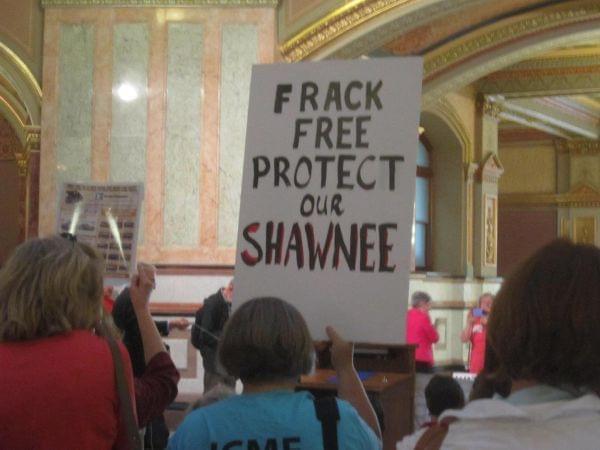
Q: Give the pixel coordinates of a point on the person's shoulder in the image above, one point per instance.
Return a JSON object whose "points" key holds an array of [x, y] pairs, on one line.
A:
{"points": [[192, 432], [354, 431]]}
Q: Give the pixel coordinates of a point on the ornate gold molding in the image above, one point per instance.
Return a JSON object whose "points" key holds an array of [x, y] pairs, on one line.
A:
{"points": [[531, 24], [578, 147], [491, 227], [159, 3], [336, 23], [22, 68], [584, 230], [581, 196], [491, 109]]}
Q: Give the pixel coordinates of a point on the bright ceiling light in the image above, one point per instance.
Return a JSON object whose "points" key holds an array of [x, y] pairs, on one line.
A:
{"points": [[127, 92]]}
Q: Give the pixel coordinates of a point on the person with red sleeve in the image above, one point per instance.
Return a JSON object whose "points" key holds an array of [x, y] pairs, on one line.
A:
{"points": [[57, 375], [420, 331], [476, 332]]}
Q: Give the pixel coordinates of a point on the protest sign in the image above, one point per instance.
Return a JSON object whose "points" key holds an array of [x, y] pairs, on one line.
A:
{"points": [[105, 216], [328, 192]]}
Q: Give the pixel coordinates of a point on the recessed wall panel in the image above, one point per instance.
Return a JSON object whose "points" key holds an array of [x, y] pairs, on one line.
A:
{"points": [[75, 89], [182, 146], [131, 54], [238, 53]]}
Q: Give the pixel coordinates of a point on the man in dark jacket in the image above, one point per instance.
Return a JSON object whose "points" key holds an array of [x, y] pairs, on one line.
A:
{"points": [[206, 332]]}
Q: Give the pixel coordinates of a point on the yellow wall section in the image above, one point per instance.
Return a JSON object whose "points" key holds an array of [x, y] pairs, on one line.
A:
{"points": [[528, 169]]}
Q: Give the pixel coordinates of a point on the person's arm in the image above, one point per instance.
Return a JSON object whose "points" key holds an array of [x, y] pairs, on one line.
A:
{"points": [[350, 388], [141, 287], [122, 439], [431, 332], [156, 388]]}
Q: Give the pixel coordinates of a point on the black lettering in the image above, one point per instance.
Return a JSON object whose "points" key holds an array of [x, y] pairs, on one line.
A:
{"points": [[274, 246], [324, 160], [232, 444], [296, 246], [372, 95], [308, 93], [304, 210], [359, 178], [323, 133], [321, 205], [280, 90], [392, 168], [365, 246], [335, 204], [333, 95], [314, 249], [341, 132], [352, 106], [384, 247], [251, 260], [298, 132], [342, 172], [282, 165], [303, 160], [258, 172], [361, 130], [339, 244]]}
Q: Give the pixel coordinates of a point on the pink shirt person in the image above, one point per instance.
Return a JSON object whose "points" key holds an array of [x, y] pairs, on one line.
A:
{"points": [[420, 330]]}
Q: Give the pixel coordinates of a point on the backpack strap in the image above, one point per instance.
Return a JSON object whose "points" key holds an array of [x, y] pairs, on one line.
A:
{"points": [[329, 415], [127, 417], [434, 436]]}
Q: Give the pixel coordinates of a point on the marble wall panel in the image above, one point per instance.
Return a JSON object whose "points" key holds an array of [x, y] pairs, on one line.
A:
{"points": [[75, 81], [239, 52], [183, 126], [131, 52]]}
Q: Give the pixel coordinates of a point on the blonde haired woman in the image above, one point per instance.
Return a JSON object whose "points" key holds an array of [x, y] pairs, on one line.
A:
{"points": [[57, 382]]}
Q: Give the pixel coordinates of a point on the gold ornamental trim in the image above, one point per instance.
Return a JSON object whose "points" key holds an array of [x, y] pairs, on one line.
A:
{"points": [[582, 196], [578, 147], [22, 68], [159, 3], [334, 24], [526, 26]]}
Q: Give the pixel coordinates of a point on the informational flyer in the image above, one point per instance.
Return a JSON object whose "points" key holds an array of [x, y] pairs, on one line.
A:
{"points": [[328, 192], [105, 216]]}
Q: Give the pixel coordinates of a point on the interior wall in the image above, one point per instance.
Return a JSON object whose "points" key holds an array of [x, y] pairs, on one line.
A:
{"points": [[182, 133], [447, 220], [521, 232], [528, 169], [9, 191]]}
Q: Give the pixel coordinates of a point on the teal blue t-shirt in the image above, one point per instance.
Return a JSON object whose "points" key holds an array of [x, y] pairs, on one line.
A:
{"points": [[279, 420]]}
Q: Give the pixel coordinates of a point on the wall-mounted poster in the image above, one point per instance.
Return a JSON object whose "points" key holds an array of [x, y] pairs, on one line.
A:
{"points": [[328, 192], [105, 216]]}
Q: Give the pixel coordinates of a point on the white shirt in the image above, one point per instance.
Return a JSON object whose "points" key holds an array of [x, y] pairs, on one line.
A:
{"points": [[519, 423]]}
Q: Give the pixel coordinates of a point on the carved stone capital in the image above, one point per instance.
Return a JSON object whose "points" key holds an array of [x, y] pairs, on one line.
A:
{"points": [[491, 109], [490, 170]]}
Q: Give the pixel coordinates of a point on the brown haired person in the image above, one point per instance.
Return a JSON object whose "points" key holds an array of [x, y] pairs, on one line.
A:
{"points": [[57, 376], [266, 344], [543, 350]]}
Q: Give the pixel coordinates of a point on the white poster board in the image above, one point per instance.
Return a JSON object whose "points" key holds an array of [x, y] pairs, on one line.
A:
{"points": [[105, 216], [328, 193]]}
